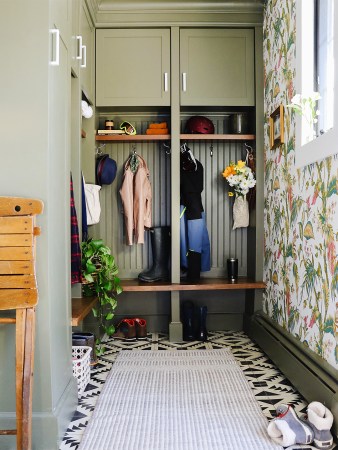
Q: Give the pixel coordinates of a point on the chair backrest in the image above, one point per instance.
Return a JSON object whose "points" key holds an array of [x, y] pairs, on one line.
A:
{"points": [[17, 252]]}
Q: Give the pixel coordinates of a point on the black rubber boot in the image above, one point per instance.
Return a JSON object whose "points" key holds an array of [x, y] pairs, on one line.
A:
{"points": [[160, 244], [202, 334], [194, 266], [188, 321], [81, 338]]}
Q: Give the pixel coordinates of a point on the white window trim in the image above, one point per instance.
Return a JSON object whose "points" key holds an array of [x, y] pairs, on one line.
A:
{"points": [[326, 144]]}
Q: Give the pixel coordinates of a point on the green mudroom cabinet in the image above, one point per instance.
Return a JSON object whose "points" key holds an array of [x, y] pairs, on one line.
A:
{"points": [[210, 72], [133, 67], [217, 67]]}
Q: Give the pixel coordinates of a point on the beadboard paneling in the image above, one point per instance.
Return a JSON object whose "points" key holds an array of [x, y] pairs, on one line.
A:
{"points": [[225, 242]]}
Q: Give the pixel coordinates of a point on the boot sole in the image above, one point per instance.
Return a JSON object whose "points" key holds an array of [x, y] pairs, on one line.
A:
{"points": [[319, 444], [153, 280]]}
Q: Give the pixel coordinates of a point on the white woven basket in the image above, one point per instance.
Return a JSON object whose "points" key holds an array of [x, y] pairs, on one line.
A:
{"points": [[81, 366]]}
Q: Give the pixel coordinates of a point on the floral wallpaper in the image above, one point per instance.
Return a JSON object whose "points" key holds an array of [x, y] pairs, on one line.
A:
{"points": [[301, 208]]}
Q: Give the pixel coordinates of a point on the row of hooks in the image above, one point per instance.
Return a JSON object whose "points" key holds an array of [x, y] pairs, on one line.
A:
{"points": [[167, 149]]}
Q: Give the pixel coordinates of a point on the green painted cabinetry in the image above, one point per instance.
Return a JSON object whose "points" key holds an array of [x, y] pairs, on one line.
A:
{"points": [[217, 67], [76, 38], [87, 64], [133, 67]]}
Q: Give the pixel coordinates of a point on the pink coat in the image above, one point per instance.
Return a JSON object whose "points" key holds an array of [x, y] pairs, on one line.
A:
{"points": [[136, 201]]}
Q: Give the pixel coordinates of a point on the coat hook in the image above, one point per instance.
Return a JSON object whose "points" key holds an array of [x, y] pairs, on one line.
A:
{"points": [[249, 153], [248, 147], [167, 148], [98, 151]]}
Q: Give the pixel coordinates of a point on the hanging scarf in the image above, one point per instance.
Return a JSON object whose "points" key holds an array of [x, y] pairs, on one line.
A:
{"points": [[84, 211], [75, 240]]}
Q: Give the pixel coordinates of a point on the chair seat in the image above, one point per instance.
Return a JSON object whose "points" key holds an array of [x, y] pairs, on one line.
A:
{"points": [[17, 298]]}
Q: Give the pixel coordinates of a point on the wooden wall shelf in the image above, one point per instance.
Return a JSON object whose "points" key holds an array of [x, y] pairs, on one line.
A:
{"points": [[217, 137], [204, 284], [185, 137], [81, 307], [135, 138]]}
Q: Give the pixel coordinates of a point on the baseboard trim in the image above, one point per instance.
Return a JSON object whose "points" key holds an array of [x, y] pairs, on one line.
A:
{"points": [[48, 428], [66, 407], [313, 377]]}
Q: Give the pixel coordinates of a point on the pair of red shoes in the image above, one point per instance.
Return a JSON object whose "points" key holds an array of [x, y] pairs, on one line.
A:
{"points": [[131, 329]]}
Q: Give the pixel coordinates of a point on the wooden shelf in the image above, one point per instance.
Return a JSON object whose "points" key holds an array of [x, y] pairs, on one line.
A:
{"points": [[217, 137], [81, 307], [204, 284], [186, 137], [135, 138]]}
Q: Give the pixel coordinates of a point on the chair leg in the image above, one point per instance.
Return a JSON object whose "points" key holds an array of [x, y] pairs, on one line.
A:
{"points": [[28, 380], [19, 362]]}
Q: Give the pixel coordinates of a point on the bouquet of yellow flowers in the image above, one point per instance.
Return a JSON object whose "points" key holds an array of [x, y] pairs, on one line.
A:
{"points": [[240, 178]]}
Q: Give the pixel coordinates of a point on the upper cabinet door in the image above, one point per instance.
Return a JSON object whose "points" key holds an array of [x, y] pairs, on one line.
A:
{"points": [[87, 66], [133, 67], [217, 67], [76, 40], [61, 18]]}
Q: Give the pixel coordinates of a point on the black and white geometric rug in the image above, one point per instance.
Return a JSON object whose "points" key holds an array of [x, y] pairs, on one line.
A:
{"points": [[268, 384]]}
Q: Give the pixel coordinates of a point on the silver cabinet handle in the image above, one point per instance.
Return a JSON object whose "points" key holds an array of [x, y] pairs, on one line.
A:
{"points": [[184, 82], [84, 54], [165, 82], [54, 32], [79, 47]]}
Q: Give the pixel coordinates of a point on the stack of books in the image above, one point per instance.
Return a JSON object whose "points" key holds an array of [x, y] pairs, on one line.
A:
{"points": [[109, 132]]}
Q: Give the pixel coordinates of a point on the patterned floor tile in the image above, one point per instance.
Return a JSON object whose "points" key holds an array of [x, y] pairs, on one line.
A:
{"points": [[268, 384]]}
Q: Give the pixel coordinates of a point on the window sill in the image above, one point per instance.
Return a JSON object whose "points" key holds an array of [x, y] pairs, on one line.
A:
{"points": [[320, 148]]}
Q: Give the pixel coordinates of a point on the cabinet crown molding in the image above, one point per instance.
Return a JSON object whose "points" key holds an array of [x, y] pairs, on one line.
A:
{"points": [[177, 5]]}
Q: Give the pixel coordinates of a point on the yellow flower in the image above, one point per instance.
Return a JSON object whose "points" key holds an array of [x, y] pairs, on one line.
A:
{"points": [[228, 171], [240, 164], [230, 194]]}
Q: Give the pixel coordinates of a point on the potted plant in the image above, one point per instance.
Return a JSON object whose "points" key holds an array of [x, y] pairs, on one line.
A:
{"points": [[99, 272]]}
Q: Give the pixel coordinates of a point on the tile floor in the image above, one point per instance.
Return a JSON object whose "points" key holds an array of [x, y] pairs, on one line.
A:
{"points": [[267, 382]]}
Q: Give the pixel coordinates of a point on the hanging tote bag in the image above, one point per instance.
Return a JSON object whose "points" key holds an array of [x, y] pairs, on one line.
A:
{"points": [[240, 212], [93, 206]]}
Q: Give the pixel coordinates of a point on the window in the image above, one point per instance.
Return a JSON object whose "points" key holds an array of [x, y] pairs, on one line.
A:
{"points": [[317, 70], [323, 62]]}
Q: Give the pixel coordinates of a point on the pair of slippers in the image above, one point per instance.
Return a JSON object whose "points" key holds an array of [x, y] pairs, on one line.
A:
{"points": [[288, 430]]}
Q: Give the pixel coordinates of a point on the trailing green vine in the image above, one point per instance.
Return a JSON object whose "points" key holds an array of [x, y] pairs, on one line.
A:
{"points": [[99, 272]]}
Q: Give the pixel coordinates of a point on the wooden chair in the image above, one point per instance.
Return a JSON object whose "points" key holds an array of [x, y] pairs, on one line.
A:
{"points": [[18, 291]]}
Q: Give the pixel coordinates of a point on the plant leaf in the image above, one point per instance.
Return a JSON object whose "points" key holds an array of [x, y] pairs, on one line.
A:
{"points": [[109, 316], [110, 330]]}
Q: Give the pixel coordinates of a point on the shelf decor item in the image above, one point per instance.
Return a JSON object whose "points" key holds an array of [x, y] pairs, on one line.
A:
{"points": [[307, 108], [276, 122], [232, 267], [99, 272], [241, 179]]}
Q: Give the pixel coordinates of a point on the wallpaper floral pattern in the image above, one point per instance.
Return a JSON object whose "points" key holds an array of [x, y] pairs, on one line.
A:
{"points": [[301, 208]]}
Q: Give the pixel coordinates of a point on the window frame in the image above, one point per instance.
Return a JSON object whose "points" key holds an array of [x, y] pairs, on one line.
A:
{"points": [[324, 145]]}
